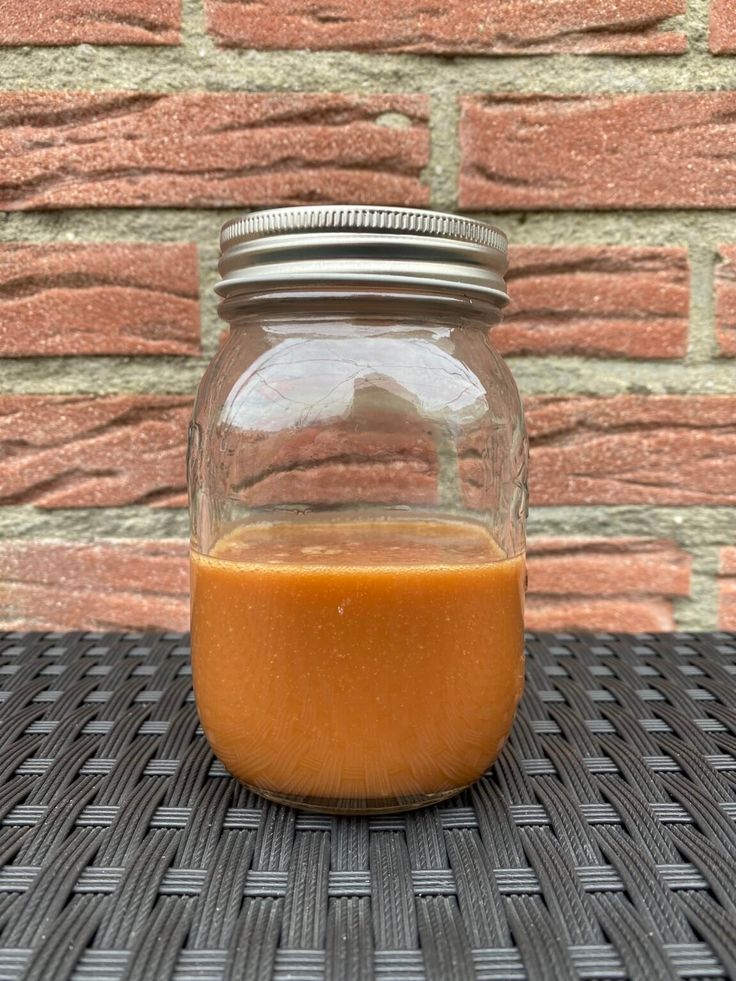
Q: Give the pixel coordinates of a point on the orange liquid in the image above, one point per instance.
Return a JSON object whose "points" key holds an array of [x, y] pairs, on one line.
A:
{"points": [[357, 662]]}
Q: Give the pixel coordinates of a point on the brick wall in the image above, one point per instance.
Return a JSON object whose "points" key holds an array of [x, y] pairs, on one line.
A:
{"points": [[600, 134]]}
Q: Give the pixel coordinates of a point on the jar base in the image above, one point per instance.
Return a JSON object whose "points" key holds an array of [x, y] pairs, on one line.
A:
{"points": [[350, 806]]}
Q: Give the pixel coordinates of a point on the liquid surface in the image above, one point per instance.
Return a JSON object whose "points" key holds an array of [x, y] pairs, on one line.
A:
{"points": [[357, 661]]}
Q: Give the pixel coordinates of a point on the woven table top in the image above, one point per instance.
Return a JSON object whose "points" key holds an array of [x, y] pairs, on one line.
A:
{"points": [[603, 844]]}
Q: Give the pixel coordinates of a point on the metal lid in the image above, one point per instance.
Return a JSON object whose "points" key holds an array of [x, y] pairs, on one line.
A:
{"points": [[345, 245]]}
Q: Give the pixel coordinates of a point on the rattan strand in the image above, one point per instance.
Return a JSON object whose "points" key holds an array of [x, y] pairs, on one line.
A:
{"points": [[603, 844]]}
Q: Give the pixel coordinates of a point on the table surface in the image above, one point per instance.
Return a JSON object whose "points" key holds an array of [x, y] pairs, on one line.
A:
{"points": [[602, 845]]}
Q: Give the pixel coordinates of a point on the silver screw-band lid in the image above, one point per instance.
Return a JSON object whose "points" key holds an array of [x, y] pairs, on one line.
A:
{"points": [[340, 245]]}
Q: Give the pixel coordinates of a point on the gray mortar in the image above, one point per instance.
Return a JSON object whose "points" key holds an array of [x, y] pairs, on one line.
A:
{"points": [[693, 528], [534, 376], [701, 606], [92, 524], [199, 65]]}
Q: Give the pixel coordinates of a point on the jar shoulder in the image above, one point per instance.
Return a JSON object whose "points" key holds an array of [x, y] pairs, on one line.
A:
{"points": [[308, 376]]}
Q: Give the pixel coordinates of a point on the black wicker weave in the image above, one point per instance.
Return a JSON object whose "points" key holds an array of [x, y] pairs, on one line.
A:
{"points": [[603, 844]]}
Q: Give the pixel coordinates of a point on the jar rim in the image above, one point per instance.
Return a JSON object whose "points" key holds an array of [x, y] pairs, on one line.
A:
{"points": [[363, 244], [374, 219]]}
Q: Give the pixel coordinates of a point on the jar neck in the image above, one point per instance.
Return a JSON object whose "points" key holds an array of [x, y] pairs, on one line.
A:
{"points": [[394, 308]]}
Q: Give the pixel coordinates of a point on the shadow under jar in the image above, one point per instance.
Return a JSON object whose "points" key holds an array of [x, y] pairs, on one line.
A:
{"points": [[357, 480]]}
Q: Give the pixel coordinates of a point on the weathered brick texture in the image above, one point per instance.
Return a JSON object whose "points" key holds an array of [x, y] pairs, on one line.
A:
{"points": [[725, 286], [209, 149], [596, 301], [727, 589], [641, 302], [92, 452], [661, 150], [54, 585], [600, 584], [83, 452], [90, 22], [342, 463], [98, 299], [722, 39], [633, 449], [451, 26]]}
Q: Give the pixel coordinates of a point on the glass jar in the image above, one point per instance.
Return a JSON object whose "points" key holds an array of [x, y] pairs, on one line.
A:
{"points": [[357, 480]]}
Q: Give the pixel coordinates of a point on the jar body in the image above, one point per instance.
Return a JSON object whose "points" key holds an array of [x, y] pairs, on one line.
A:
{"points": [[357, 474]]}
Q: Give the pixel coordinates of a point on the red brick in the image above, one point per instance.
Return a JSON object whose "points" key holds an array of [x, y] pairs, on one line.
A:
{"points": [[604, 584], [92, 452], [727, 589], [609, 613], [312, 446], [666, 450], [594, 584], [343, 463], [728, 561], [725, 285], [396, 482], [78, 149], [722, 38], [110, 585], [596, 301], [84, 452], [451, 26], [607, 567], [663, 150], [91, 22], [98, 299]]}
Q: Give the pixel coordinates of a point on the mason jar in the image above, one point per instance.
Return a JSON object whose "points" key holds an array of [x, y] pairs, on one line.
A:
{"points": [[357, 481]]}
